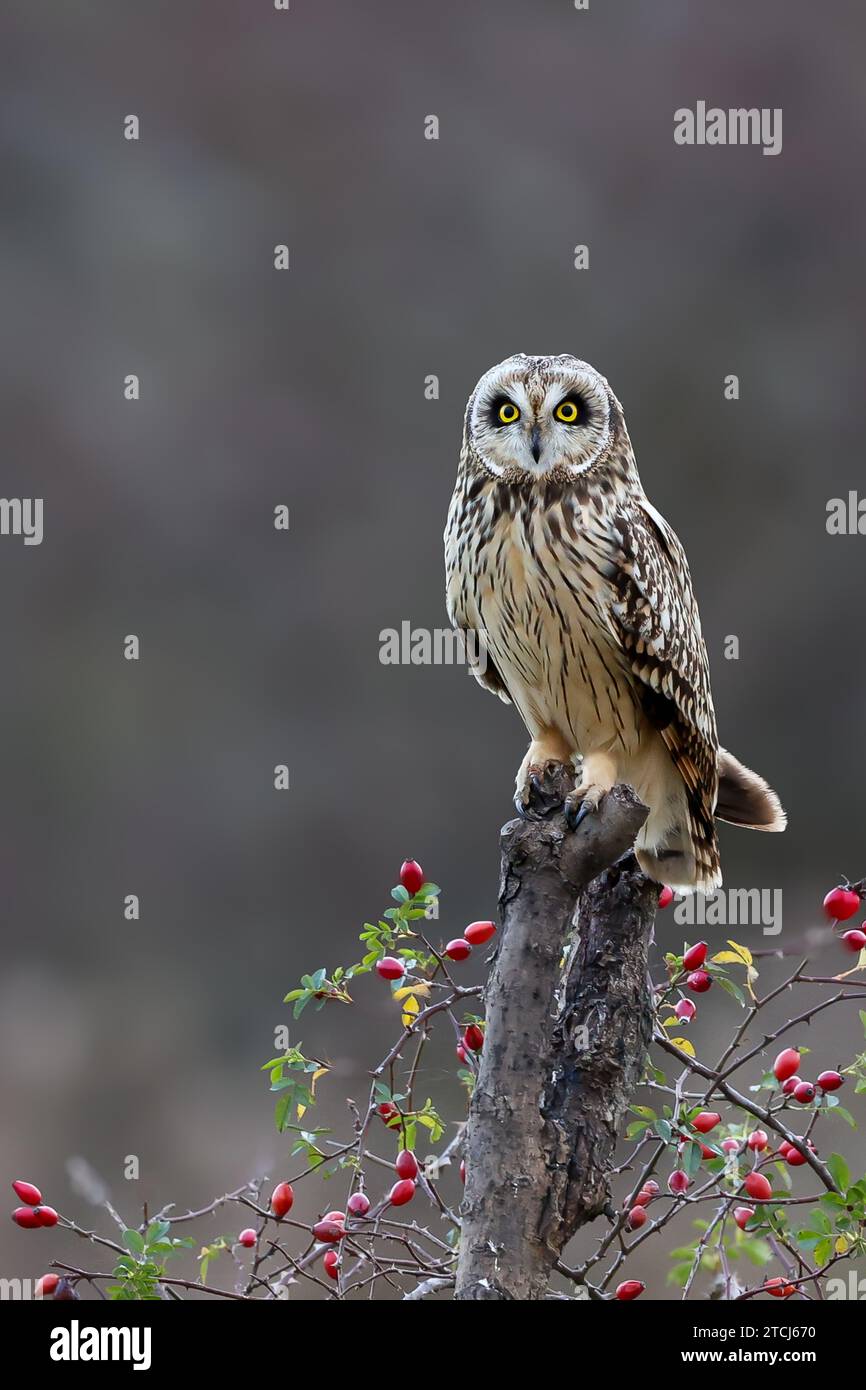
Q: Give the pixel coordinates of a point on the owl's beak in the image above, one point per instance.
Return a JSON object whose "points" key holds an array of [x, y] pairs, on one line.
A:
{"points": [[535, 443]]}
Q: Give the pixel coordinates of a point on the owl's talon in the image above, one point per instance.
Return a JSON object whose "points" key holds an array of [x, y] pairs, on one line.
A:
{"points": [[575, 812], [538, 797], [579, 804]]}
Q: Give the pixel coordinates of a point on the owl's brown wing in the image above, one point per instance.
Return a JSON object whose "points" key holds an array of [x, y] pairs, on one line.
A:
{"points": [[654, 617]]}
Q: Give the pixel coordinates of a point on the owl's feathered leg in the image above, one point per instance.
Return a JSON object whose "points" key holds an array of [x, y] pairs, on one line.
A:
{"points": [[598, 774]]}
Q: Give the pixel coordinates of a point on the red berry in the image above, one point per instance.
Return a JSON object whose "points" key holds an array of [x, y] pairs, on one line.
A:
{"points": [[388, 1113], [793, 1157], [247, 1238], [406, 1165], [790, 1085], [695, 956], [804, 1093], [411, 876], [337, 1216], [47, 1216], [390, 968], [463, 1171], [358, 1204], [786, 1064], [699, 982], [473, 1038], [758, 1140], [730, 1146], [779, 1288], [841, 903], [27, 1192], [402, 1192], [46, 1285], [649, 1190], [854, 940], [757, 1186], [685, 1010], [706, 1120], [282, 1198], [458, 949], [636, 1217], [479, 932], [629, 1289], [461, 1053], [679, 1181], [743, 1215], [328, 1231], [331, 1264], [830, 1081], [26, 1217], [666, 896]]}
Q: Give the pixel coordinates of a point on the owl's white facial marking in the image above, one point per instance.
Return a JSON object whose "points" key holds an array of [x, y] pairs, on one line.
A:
{"points": [[538, 413]]}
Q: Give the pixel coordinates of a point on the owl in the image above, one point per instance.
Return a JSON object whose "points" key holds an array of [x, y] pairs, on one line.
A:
{"points": [[578, 596]]}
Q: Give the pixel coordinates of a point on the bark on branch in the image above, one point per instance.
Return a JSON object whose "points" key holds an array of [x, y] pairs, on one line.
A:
{"points": [[569, 1019]]}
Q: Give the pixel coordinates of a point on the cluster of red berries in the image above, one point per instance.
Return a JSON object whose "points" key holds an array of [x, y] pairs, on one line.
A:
{"points": [[637, 1217], [785, 1069], [840, 905], [34, 1213], [30, 1217], [412, 879], [331, 1228]]}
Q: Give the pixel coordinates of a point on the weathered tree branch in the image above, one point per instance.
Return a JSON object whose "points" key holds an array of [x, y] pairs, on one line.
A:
{"points": [[568, 1027]]}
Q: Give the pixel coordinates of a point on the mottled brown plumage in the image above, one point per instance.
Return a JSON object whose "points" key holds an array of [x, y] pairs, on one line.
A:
{"points": [[581, 596]]}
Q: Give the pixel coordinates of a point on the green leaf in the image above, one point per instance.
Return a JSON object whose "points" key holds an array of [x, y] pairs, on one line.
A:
{"points": [[844, 1115], [636, 1127], [281, 1111], [644, 1111], [692, 1159], [663, 1130], [134, 1241], [156, 1231], [840, 1172], [733, 989]]}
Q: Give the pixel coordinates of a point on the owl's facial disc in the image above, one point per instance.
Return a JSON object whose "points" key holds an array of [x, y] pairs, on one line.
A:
{"points": [[530, 415]]}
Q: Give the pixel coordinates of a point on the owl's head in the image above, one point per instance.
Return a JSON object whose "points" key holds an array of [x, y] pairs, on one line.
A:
{"points": [[532, 416]]}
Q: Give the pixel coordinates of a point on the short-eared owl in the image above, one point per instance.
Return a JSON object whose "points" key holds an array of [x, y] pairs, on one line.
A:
{"points": [[579, 594]]}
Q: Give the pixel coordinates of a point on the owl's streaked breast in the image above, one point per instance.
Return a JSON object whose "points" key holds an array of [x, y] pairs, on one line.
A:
{"points": [[544, 628]]}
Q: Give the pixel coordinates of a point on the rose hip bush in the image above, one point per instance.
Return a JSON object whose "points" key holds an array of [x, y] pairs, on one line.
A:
{"points": [[716, 1142]]}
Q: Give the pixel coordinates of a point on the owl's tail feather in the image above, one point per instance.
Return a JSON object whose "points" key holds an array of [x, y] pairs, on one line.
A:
{"points": [[745, 798]]}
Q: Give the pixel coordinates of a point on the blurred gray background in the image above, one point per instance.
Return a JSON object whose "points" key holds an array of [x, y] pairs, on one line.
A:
{"points": [[408, 257]]}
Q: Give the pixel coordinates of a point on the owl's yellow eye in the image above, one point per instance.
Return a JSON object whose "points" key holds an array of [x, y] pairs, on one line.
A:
{"points": [[508, 413], [567, 412]]}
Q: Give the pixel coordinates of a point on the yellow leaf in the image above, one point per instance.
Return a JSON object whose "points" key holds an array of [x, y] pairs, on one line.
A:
{"points": [[728, 958], [405, 990], [684, 1045], [410, 1009], [301, 1111], [743, 951], [841, 1245]]}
